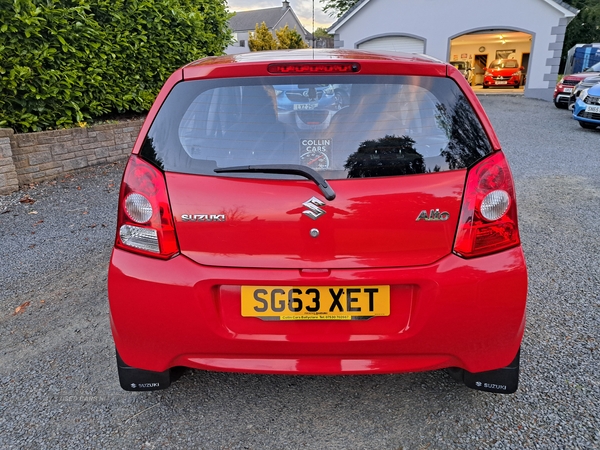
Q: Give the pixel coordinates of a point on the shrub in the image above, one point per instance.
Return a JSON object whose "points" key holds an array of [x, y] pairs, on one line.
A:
{"points": [[65, 61]]}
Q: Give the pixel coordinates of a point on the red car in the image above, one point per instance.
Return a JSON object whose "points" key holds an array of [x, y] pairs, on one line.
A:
{"points": [[382, 238], [564, 87], [504, 72]]}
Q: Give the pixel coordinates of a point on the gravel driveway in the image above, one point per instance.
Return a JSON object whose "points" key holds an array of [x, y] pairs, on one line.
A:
{"points": [[58, 381]]}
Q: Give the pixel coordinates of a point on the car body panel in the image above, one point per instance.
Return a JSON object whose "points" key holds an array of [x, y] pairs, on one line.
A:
{"points": [[274, 216], [193, 312]]}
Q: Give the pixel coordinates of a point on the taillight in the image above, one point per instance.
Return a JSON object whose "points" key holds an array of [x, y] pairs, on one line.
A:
{"points": [[488, 218], [145, 223]]}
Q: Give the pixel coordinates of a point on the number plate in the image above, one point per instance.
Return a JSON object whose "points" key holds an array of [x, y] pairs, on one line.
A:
{"points": [[315, 303], [305, 106], [501, 82], [568, 90], [592, 109]]}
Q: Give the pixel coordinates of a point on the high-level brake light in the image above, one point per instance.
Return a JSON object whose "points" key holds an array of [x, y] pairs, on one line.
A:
{"points": [[316, 68]]}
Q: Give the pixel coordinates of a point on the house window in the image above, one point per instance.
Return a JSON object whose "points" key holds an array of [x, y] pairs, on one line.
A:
{"points": [[242, 42]]}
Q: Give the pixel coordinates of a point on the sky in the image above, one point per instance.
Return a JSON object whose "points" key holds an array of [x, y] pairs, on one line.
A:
{"points": [[302, 8]]}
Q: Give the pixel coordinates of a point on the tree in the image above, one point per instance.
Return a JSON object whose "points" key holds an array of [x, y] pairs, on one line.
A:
{"points": [[261, 39], [287, 38], [321, 33], [584, 28], [337, 7]]}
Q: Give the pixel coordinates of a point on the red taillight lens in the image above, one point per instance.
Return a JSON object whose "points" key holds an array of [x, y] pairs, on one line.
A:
{"points": [[488, 218], [145, 223]]}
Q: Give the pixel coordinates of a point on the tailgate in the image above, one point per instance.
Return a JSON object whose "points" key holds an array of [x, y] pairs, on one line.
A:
{"points": [[266, 223]]}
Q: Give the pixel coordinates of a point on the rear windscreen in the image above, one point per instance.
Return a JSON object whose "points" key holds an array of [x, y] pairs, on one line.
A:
{"points": [[340, 126]]}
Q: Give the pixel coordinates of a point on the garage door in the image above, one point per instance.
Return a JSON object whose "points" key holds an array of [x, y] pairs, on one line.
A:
{"points": [[394, 44]]}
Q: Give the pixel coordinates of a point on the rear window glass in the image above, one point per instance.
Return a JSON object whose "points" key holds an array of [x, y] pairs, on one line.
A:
{"points": [[343, 127]]}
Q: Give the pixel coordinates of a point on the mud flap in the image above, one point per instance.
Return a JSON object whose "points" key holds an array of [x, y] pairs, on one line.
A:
{"points": [[499, 381], [133, 379]]}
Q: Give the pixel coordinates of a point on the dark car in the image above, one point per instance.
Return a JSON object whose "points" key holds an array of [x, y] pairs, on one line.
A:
{"points": [[383, 241], [503, 73]]}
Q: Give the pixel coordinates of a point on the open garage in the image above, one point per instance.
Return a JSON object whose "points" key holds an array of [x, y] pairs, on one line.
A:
{"points": [[477, 50]]}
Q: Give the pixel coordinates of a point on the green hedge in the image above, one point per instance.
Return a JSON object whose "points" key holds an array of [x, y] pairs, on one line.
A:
{"points": [[67, 61]]}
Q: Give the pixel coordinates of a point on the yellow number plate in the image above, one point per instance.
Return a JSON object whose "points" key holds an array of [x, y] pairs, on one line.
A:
{"points": [[315, 303]]}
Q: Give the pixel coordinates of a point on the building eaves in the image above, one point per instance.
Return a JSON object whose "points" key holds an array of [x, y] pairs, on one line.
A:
{"points": [[566, 6], [358, 5]]}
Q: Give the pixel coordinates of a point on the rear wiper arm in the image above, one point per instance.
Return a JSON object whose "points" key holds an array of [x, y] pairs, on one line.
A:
{"points": [[286, 169]]}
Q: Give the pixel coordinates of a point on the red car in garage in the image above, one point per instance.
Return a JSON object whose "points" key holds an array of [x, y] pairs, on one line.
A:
{"points": [[503, 73], [380, 238]]}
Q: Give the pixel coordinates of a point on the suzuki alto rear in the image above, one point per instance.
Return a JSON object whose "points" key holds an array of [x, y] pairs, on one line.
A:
{"points": [[379, 236]]}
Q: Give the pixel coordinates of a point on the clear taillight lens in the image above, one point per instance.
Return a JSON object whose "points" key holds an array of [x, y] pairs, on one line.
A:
{"points": [[488, 218], [138, 208], [140, 238], [145, 223], [495, 205]]}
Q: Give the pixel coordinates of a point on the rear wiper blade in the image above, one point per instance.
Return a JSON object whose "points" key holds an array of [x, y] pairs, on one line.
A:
{"points": [[286, 169]]}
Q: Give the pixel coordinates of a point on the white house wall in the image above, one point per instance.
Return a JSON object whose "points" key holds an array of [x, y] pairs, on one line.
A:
{"points": [[438, 21]]}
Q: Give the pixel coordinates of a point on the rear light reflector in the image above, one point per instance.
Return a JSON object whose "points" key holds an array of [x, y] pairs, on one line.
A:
{"points": [[138, 208], [314, 68], [495, 205], [488, 218], [145, 223], [140, 238]]}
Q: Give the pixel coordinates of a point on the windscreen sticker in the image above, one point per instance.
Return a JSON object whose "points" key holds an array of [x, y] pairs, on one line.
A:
{"points": [[316, 153]]}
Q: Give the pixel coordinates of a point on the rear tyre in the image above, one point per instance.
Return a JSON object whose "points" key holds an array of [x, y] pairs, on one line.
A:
{"points": [[586, 125], [485, 87], [132, 379]]}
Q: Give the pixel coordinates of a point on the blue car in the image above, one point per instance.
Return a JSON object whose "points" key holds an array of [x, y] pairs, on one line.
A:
{"points": [[587, 107]]}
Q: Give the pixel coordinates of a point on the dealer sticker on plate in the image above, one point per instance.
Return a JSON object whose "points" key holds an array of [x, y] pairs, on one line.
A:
{"points": [[315, 303]]}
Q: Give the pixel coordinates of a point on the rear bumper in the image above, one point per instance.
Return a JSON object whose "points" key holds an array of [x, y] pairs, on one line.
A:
{"points": [[455, 313], [491, 81]]}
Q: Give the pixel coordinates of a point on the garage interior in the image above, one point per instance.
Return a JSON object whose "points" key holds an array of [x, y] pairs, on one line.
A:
{"points": [[481, 48]]}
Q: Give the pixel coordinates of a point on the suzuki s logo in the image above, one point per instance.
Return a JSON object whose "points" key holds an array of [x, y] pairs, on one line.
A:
{"points": [[434, 215], [314, 210]]}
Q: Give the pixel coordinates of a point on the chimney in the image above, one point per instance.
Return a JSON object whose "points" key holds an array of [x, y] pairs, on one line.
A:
{"points": [[286, 5]]}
